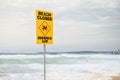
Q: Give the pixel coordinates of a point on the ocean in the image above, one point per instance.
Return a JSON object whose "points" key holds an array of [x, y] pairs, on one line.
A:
{"points": [[60, 66]]}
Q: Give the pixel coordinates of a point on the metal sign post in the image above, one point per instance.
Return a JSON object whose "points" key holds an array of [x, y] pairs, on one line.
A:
{"points": [[44, 31], [44, 62]]}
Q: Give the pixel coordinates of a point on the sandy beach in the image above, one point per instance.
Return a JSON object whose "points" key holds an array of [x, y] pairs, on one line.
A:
{"points": [[2, 75], [116, 78]]}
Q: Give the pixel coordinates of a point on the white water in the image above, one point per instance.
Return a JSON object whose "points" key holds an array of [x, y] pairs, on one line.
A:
{"points": [[71, 67]]}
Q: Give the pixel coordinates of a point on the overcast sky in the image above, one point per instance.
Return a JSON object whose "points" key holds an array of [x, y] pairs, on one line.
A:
{"points": [[78, 25]]}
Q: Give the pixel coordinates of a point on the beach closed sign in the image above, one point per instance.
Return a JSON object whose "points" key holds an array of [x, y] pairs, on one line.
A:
{"points": [[44, 27]]}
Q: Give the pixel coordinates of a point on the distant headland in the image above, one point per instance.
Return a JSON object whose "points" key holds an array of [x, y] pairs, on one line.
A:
{"points": [[67, 52]]}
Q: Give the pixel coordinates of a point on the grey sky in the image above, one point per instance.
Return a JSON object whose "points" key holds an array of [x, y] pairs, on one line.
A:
{"points": [[78, 25]]}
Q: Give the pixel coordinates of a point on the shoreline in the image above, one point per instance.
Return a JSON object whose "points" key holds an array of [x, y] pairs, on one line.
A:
{"points": [[86, 74]]}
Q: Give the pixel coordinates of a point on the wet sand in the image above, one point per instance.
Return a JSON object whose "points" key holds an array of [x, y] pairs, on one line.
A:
{"points": [[116, 78], [2, 75], [57, 76]]}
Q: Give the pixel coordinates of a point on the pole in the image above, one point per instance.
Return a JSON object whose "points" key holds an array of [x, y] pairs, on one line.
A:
{"points": [[44, 62]]}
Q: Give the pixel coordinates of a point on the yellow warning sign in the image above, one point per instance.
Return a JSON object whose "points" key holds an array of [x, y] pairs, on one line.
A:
{"points": [[44, 27]]}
